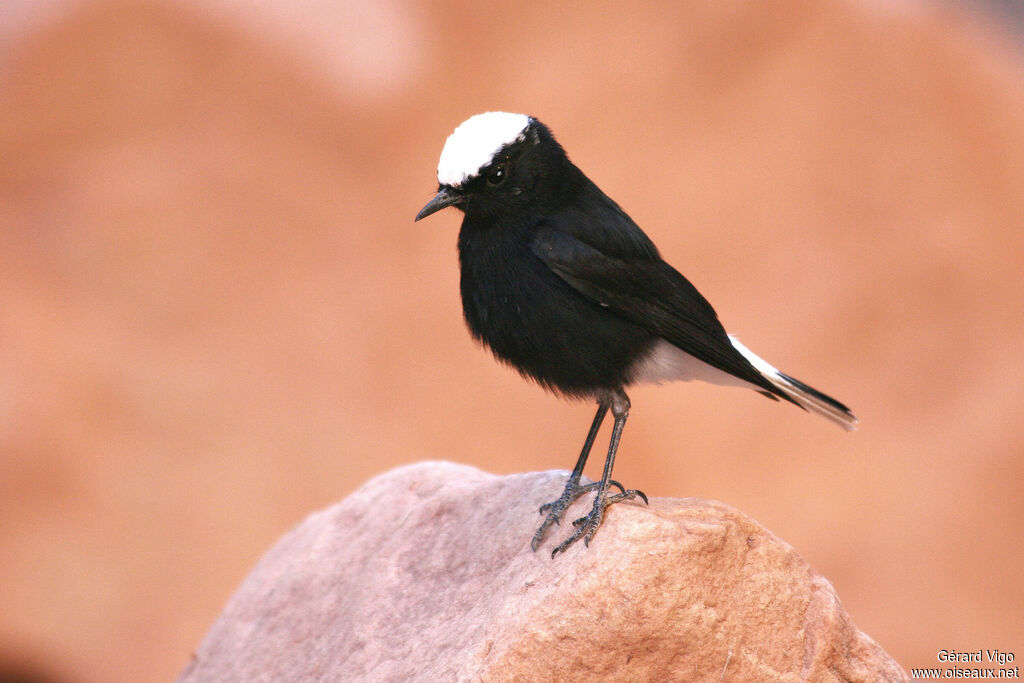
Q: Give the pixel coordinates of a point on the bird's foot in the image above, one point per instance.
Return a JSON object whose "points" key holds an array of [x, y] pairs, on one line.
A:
{"points": [[587, 526], [555, 508]]}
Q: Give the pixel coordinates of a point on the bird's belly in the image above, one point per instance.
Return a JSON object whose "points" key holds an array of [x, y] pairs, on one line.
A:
{"points": [[533, 320], [665, 362]]}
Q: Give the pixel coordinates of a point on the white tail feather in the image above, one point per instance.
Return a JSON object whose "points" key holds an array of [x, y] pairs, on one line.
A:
{"points": [[809, 398]]}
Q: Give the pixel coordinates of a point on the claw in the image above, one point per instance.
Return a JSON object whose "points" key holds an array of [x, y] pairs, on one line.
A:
{"points": [[555, 508], [586, 526], [629, 495], [573, 490], [571, 493]]}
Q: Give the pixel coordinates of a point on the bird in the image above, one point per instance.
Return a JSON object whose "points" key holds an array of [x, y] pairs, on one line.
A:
{"points": [[563, 286]]}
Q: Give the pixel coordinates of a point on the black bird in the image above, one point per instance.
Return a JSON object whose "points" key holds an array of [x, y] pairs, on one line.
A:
{"points": [[562, 285]]}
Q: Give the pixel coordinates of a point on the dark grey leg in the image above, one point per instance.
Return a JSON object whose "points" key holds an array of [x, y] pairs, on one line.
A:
{"points": [[587, 526], [573, 490]]}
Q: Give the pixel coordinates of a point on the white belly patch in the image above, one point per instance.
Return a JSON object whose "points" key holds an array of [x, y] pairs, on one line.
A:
{"points": [[668, 363]]}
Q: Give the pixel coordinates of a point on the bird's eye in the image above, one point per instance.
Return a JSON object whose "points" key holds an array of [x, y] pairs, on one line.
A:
{"points": [[497, 175]]}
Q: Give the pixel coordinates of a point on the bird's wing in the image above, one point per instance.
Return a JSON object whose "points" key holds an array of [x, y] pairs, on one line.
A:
{"points": [[650, 293]]}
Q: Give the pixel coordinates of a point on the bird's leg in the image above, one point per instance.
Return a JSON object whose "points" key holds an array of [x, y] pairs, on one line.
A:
{"points": [[573, 490], [587, 526]]}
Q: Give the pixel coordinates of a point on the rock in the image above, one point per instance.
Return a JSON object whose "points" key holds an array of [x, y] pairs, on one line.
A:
{"points": [[426, 573]]}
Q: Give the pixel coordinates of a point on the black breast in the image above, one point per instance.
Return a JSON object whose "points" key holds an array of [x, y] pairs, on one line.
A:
{"points": [[534, 321]]}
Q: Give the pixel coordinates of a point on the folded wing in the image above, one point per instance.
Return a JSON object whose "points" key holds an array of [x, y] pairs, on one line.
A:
{"points": [[650, 293]]}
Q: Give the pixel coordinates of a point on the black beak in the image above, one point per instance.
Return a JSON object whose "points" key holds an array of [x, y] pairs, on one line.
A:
{"points": [[445, 197]]}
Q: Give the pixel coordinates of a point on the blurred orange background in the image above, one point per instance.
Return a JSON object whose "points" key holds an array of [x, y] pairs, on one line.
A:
{"points": [[217, 316]]}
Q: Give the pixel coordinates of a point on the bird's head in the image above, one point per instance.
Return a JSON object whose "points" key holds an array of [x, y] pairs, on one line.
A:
{"points": [[493, 162]]}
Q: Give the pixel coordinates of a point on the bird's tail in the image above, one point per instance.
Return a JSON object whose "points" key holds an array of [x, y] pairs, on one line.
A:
{"points": [[804, 396]]}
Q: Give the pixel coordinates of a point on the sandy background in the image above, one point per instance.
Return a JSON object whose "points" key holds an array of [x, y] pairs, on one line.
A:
{"points": [[216, 313]]}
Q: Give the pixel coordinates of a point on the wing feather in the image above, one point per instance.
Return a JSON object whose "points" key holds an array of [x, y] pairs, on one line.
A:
{"points": [[650, 293]]}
